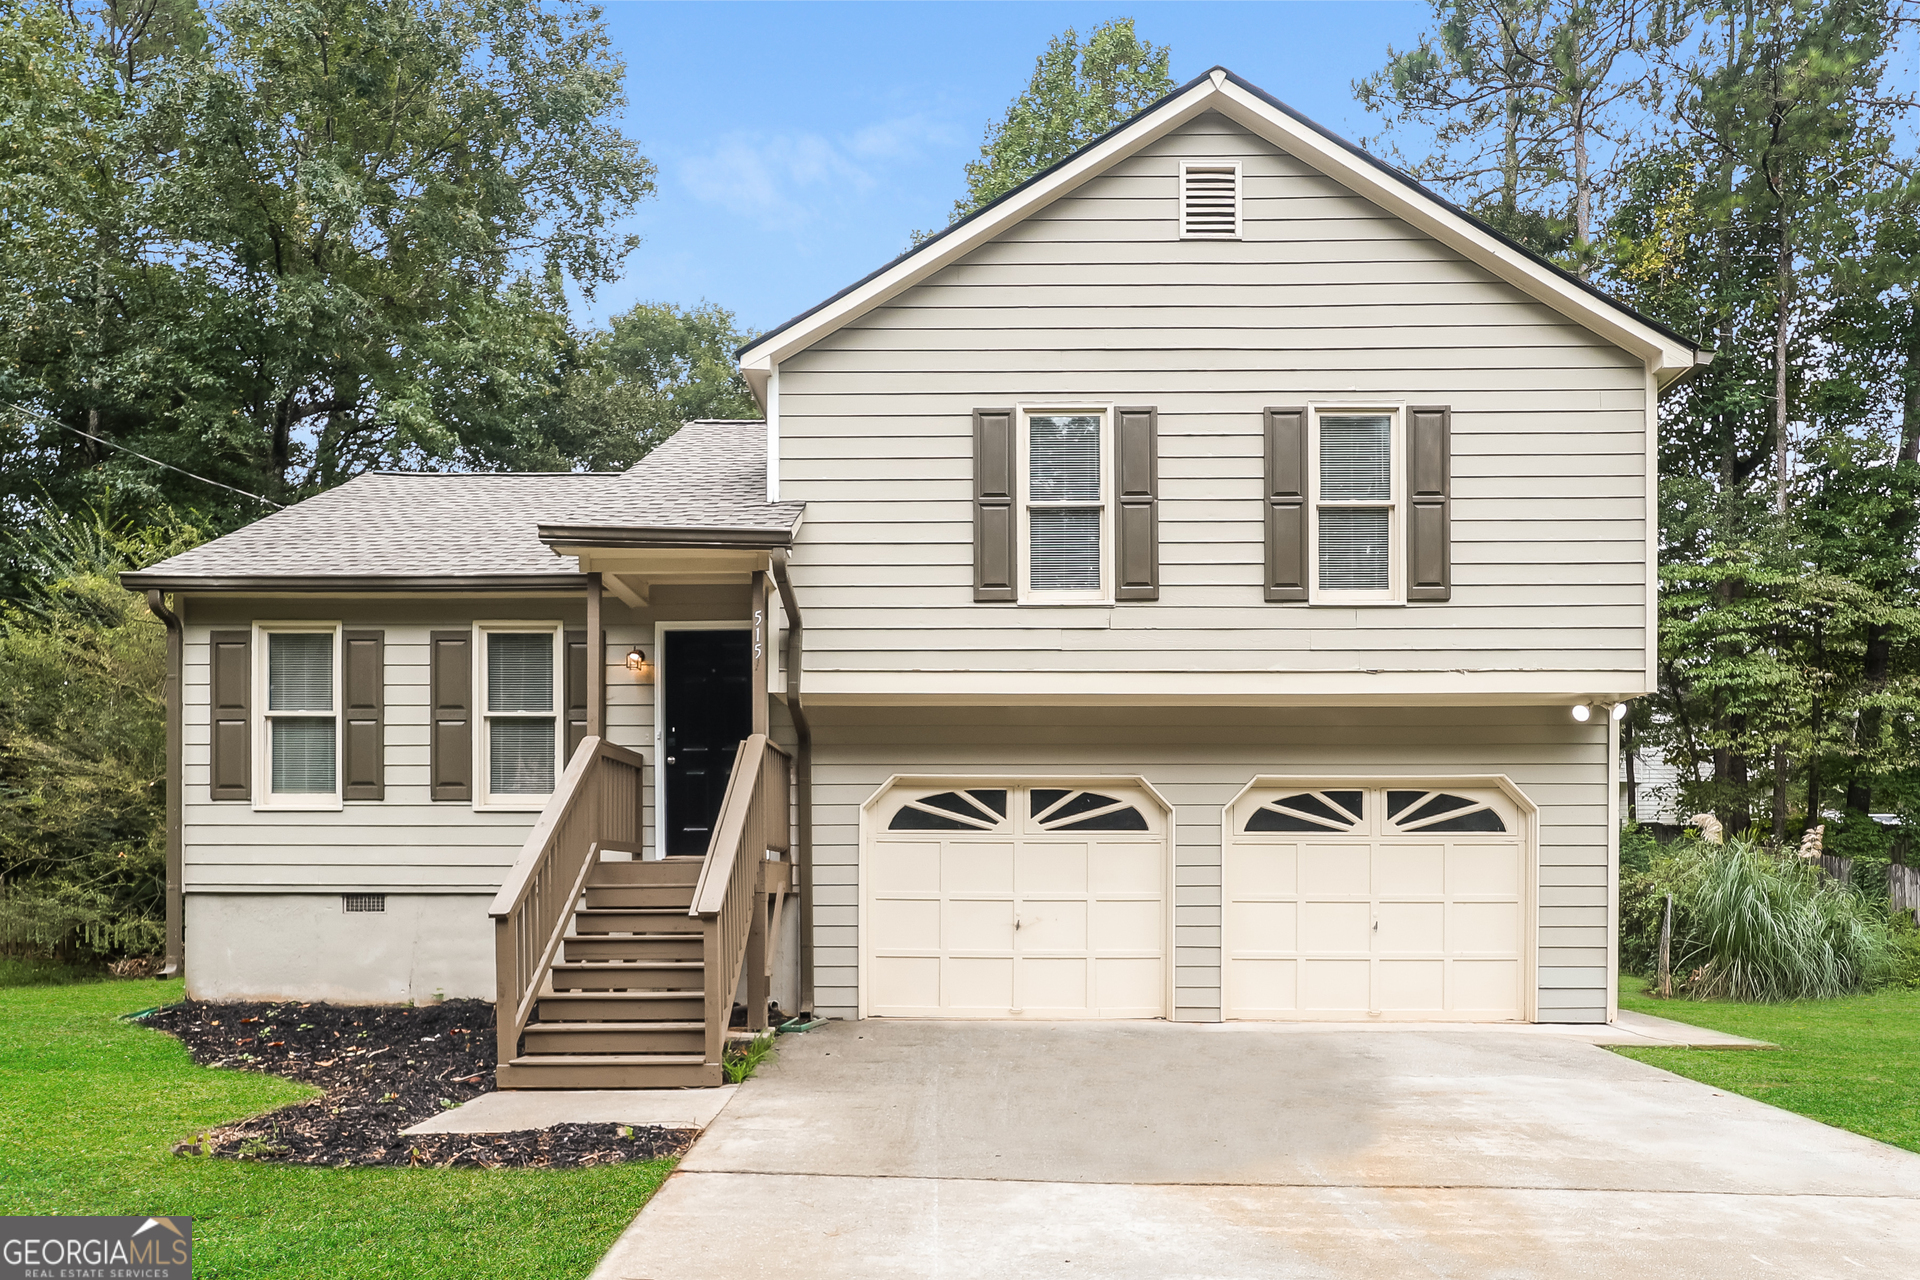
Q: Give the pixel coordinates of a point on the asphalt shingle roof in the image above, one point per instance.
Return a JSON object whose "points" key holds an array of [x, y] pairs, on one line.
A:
{"points": [[710, 475]]}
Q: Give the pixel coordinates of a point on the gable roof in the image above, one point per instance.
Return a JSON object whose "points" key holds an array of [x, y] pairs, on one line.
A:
{"points": [[412, 530], [1668, 354]]}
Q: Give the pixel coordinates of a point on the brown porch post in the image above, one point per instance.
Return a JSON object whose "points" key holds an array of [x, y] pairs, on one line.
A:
{"points": [[596, 663]]}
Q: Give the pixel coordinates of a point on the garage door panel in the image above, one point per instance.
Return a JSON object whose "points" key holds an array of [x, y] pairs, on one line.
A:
{"points": [[1391, 918], [1263, 926], [972, 924], [1336, 926], [1411, 926], [1262, 986], [1129, 986], [906, 924], [1411, 986], [1056, 983], [1053, 926], [1266, 870], [1484, 927], [1127, 868], [1410, 869], [1128, 925], [1334, 868], [966, 867], [1491, 986], [1335, 986], [900, 867], [1491, 870], [1045, 867], [907, 982], [978, 983]]}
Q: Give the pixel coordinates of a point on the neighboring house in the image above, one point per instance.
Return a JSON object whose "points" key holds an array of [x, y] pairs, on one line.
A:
{"points": [[1205, 548]]}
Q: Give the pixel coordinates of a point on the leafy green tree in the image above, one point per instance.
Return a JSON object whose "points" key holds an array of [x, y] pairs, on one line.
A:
{"points": [[654, 367], [1077, 93], [278, 243]]}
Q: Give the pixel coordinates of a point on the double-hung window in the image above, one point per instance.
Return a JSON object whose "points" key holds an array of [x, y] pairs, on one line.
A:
{"points": [[1355, 500], [1064, 461], [520, 747], [299, 716]]}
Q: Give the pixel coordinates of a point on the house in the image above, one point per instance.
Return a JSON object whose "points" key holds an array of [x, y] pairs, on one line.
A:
{"points": [[1192, 587]]}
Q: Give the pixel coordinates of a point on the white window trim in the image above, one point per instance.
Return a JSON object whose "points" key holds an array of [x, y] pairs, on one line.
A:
{"points": [[1025, 505], [1239, 200], [484, 801], [1396, 592], [264, 798], [659, 711]]}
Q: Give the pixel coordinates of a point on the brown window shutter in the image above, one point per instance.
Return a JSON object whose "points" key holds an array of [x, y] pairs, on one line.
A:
{"points": [[365, 710], [1137, 462], [1286, 504], [995, 559], [452, 715], [231, 714], [1429, 514], [576, 690]]}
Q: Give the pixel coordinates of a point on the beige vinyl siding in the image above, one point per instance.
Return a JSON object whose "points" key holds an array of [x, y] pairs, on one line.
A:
{"points": [[406, 842], [1326, 297], [1199, 760]]}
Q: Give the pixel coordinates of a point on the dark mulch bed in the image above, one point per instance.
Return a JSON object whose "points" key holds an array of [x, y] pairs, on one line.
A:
{"points": [[380, 1069]]}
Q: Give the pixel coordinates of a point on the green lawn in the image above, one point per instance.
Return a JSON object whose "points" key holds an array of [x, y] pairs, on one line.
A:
{"points": [[90, 1107], [1853, 1063]]}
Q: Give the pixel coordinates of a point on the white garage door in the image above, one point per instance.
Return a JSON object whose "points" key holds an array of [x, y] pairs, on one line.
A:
{"points": [[1016, 901], [1375, 902]]}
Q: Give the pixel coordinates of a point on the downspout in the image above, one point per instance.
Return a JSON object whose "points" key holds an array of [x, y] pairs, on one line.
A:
{"points": [[802, 774], [175, 954]]}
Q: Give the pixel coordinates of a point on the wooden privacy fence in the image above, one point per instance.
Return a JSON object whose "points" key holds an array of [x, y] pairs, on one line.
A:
{"points": [[595, 807], [1903, 886], [731, 895]]}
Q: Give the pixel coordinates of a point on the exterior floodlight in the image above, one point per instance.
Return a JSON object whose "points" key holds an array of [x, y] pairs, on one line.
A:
{"points": [[1581, 711], [1619, 711]]}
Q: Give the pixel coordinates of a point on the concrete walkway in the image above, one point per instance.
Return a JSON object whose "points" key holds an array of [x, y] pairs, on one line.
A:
{"points": [[1151, 1150], [517, 1109]]}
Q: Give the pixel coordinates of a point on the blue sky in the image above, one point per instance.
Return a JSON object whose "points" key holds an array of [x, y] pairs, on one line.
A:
{"points": [[799, 143]]}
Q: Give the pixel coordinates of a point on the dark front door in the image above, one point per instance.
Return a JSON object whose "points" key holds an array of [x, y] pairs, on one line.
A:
{"points": [[708, 692]]}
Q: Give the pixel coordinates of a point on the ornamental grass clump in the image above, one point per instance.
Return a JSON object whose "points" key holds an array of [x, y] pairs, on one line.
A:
{"points": [[1751, 924]]}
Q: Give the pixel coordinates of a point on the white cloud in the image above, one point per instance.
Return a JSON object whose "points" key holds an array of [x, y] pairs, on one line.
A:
{"points": [[788, 178]]}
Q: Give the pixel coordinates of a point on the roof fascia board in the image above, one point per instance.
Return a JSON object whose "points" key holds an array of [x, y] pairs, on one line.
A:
{"points": [[353, 582], [914, 268], [1665, 356], [564, 538]]}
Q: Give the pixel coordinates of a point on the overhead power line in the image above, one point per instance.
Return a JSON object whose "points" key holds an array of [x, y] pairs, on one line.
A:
{"points": [[47, 417]]}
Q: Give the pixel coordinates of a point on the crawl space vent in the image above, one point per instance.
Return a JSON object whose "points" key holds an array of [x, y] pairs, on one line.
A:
{"points": [[1210, 201], [366, 901]]}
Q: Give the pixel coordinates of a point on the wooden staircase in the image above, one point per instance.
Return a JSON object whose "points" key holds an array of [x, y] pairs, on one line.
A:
{"points": [[621, 974], [629, 989]]}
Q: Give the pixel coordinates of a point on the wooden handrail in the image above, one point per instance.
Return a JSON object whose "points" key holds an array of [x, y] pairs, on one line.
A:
{"points": [[754, 821], [595, 806]]}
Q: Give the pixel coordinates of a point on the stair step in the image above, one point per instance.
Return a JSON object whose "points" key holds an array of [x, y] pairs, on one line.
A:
{"points": [[655, 871], [595, 920], [607, 1071], [648, 1038], [627, 946], [622, 1006], [679, 896], [641, 975]]}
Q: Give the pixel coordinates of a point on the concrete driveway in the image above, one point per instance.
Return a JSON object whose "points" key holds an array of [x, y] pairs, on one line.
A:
{"points": [[922, 1149]]}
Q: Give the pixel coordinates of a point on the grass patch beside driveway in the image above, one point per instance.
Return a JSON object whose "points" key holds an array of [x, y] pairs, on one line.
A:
{"points": [[1851, 1062], [91, 1106]]}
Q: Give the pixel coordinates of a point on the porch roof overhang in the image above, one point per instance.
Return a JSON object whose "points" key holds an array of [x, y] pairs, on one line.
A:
{"points": [[633, 559]]}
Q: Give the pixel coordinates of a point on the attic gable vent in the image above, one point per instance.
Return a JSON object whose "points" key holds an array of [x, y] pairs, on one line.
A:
{"points": [[1210, 201]]}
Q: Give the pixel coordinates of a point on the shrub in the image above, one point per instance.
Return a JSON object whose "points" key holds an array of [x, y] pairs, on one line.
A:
{"points": [[1754, 925], [1902, 967]]}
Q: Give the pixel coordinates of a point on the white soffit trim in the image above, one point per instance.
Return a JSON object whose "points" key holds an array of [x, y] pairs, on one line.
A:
{"points": [[1666, 358]]}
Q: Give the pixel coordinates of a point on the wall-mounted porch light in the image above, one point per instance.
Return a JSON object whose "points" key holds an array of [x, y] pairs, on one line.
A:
{"points": [[638, 664]]}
